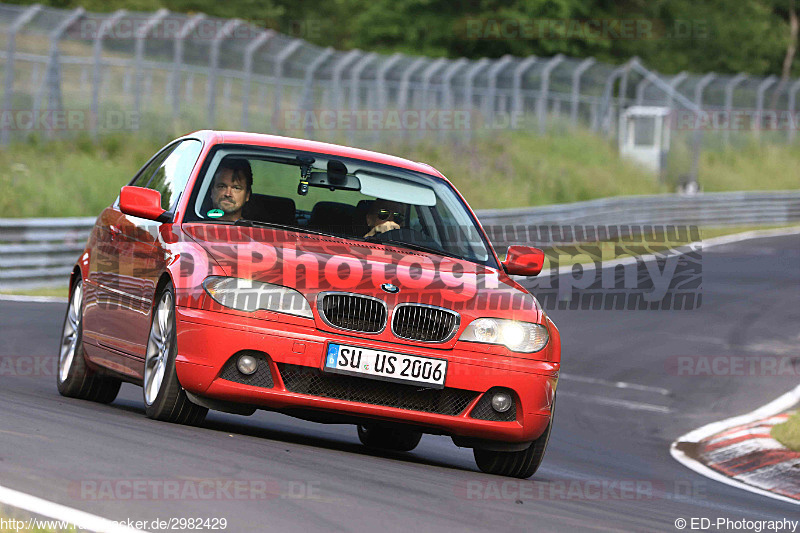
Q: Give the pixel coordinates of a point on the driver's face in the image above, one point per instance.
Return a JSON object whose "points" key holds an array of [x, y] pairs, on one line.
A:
{"points": [[381, 212], [229, 194]]}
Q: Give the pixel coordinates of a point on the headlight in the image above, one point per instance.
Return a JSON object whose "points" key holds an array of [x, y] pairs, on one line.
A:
{"points": [[516, 336], [247, 295]]}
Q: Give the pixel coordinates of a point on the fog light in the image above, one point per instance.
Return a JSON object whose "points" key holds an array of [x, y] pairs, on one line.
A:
{"points": [[501, 402], [247, 364]]}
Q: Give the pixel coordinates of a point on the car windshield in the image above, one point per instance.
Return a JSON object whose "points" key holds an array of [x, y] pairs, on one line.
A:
{"points": [[349, 198]]}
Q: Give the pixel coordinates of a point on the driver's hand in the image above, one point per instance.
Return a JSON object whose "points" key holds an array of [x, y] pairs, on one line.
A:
{"points": [[383, 227]]}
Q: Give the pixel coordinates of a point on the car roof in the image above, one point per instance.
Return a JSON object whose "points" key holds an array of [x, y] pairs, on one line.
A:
{"points": [[291, 143]]}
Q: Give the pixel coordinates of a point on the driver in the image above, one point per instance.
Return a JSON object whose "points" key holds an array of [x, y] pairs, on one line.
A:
{"points": [[383, 216], [231, 187]]}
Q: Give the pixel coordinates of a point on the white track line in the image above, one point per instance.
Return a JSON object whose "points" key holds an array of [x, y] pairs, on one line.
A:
{"points": [[56, 511], [602, 400], [615, 384], [776, 406], [39, 299]]}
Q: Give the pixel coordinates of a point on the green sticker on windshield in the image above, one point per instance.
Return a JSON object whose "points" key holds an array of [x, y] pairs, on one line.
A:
{"points": [[215, 213]]}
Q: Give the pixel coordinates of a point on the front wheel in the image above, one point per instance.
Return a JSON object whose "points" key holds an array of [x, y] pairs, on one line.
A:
{"points": [[522, 464], [164, 398], [73, 378], [394, 439]]}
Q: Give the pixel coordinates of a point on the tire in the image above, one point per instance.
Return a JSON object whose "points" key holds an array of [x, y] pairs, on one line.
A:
{"points": [[164, 398], [522, 464], [394, 439], [74, 379]]}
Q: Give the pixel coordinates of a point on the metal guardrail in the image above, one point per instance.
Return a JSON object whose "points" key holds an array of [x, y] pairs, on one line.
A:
{"points": [[40, 252]]}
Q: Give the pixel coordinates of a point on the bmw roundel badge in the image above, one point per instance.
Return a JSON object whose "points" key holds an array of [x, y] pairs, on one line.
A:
{"points": [[391, 289]]}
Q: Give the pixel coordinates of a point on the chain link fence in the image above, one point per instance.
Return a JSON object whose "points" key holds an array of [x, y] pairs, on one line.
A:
{"points": [[67, 71]]}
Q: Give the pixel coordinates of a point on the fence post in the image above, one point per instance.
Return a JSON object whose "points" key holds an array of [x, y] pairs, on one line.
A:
{"points": [[491, 94], [8, 91], [793, 123], [355, 76], [544, 87], [336, 78], [427, 74], [211, 86], [447, 82], [762, 87], [177, 61], [701, 86], [283, 55], [405, 80], [519, 72], [449, 99], [307, 99], [623, 86], [576, 88], [97, 50], [380, 80], [52, 75], [249, 52], [729, 88], [469, 80], [140, 36]]}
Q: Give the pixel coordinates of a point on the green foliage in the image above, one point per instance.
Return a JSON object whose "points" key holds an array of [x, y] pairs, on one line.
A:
{"points": [[495, 170], [723, 36], [788, 433]]}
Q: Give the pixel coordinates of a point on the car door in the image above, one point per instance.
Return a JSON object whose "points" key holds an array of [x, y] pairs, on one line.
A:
{"points": [[143, 252], [108, 287]]}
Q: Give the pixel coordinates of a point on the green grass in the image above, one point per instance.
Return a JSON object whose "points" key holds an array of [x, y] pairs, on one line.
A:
{"points": [[61, 291], [788, 433], [79, 177]]}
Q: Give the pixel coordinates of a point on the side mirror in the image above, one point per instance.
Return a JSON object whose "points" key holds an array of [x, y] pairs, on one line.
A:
{"points": [[523, 261], [143, 203]]}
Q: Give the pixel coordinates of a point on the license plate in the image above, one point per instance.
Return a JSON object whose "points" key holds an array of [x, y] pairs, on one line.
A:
{"points": [[387, 366]]}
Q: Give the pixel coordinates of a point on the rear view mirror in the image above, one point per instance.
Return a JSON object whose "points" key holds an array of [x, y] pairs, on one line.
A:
{"points": [[523, 261], [142, 203], [334, 181]]}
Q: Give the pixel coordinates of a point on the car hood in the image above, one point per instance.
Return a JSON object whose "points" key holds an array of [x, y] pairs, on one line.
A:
{"points": [[314, 264]]}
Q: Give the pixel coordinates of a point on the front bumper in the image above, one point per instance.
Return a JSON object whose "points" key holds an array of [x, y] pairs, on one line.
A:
{"points": [[208, 339]]}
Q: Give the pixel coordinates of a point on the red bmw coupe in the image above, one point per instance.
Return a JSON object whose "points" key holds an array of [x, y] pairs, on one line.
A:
{"points": [[241, 271]]}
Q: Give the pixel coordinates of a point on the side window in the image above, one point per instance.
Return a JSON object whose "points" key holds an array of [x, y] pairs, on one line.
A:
{"points": [[173, 171], [147, 172]]}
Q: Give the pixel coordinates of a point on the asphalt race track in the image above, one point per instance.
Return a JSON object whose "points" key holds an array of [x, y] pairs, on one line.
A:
{"points": [[607, 467]]}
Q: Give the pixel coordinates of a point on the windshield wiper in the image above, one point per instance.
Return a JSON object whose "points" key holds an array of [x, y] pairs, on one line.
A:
{"points": [[421, 248], [252, 223]]}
